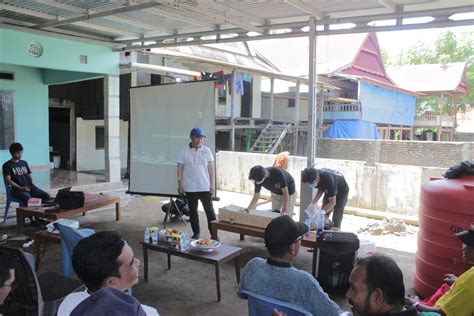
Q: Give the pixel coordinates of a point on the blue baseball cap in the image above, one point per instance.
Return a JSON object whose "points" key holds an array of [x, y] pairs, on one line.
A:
{"points": [[197, 131], [109, 301]]}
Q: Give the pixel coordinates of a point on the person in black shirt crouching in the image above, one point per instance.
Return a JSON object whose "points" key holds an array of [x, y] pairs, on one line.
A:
{"points": [[332, 184], [281, 185]]}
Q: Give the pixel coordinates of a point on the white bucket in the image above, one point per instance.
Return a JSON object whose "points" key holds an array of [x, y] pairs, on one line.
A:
{"points": [[367, 248], [56, 161]]}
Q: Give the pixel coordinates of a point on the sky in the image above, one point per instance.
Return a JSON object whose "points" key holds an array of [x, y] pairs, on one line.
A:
{"points": [[291, 55], [396, 41]]}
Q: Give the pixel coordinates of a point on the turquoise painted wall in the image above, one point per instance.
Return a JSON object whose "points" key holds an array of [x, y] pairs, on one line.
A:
{"points": [[58, 53], [31, 118], [53, 77]]}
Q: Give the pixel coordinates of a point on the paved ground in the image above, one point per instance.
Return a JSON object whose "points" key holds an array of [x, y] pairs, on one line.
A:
{"points": [[189, 287]]}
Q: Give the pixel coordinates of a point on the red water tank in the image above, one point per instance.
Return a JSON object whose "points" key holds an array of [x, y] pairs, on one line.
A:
{"points": [[446, 207]]}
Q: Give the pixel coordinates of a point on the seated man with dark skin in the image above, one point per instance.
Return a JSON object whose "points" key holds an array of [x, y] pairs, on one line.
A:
{"points": [[18, 176], [459, 299], [103, 260], [377, 289], [7, 280]]}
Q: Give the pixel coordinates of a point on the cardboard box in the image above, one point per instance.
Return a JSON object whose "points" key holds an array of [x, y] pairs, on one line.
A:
{"points": [[234, 215]]}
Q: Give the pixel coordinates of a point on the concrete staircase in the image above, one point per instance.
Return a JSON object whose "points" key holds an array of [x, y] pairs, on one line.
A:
{"points": [[270, 138]]}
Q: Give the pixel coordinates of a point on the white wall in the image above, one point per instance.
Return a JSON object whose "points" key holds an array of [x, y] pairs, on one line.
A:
{"points": [[222, 111], [281, 111], [383, 187], [89, 158]]}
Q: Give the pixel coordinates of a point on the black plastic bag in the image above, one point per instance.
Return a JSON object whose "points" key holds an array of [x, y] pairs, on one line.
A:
{"points": [[465, 167], [181, 203]]}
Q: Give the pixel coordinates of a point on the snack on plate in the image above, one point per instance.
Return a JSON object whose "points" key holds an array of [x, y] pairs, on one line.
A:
{"points": [[205, 242]]}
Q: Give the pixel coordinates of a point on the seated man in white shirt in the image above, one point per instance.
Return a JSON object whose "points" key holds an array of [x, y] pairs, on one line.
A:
{"points": [[103, 260]]}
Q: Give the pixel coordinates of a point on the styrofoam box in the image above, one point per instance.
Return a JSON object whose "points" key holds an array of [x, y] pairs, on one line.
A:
{"points": [[366, 249], [234, 214]]}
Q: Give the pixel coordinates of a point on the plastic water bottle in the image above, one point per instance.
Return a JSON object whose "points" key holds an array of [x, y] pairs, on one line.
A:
{"points": [[184, 241], [307, 221], [155, 237], [147, 234], [320, 222]]}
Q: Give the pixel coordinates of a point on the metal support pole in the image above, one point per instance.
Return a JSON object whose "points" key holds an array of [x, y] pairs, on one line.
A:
{"points": [[272, 99], [306, 193], [232, 117], [441, 110], [312, 93], [297, 115], [321, 112]]}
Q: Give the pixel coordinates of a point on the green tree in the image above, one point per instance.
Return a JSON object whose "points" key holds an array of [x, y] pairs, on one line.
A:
{"points": [[448, 48]]}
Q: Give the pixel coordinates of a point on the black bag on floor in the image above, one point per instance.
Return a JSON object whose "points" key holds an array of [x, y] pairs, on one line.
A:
{"points": [[181, 203], [68, 200]]}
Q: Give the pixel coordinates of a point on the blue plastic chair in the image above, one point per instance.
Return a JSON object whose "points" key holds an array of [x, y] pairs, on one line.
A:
{"points": [[10, 199], [263, 305], [69, 239]]}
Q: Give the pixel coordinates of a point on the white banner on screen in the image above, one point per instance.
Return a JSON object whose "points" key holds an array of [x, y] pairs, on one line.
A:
{"points": [[161, 118]]}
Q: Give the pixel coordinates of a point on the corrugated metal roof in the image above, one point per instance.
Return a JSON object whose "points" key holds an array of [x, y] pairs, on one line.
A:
{"points": [[211, 53], [430, 77], [332, 53], [144, 20]]}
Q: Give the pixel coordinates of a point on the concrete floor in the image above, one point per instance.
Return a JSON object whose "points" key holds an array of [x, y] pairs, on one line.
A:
{"points": [[189, 287]]}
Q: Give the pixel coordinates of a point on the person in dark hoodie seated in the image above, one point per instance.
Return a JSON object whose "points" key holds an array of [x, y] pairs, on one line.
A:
{"points": [[109, 301], [103, 260]]}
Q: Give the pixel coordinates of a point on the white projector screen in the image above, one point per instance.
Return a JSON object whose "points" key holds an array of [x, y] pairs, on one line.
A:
{"points": [[161, 118]]}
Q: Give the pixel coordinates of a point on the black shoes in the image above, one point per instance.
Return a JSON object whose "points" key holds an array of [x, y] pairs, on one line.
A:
{"points": [[196, 236]]}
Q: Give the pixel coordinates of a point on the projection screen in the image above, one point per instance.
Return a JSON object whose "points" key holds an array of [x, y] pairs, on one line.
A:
{"points": [[161, 118]]}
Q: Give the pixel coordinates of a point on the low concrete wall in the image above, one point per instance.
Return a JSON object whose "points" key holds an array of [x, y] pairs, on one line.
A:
{"points": [[414, 153], [383, 187]]}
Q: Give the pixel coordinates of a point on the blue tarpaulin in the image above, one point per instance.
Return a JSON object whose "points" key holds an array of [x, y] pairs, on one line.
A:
{"points": [[356, 129], [384, 106]]}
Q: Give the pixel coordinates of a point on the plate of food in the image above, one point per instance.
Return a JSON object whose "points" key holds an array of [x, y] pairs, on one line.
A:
{"points": [[205, 244]]}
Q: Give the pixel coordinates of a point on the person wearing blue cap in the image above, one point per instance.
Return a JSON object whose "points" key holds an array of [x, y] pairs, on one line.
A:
{"points": [[196, 178]]}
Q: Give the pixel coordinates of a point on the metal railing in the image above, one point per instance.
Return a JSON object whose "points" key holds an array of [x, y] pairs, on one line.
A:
{"points": [[342, 107]]}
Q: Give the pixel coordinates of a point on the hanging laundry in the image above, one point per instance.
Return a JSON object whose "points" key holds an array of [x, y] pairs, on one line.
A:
{"points": [[218, 76], [247, 77], [238, 83]]}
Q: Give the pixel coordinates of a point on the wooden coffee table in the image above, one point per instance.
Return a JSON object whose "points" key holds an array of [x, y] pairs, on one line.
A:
{"points": [[220, 255], [243, 230], [92, 202]]}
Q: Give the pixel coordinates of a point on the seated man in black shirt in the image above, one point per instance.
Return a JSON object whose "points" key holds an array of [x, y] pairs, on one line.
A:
{"points": [[18, 176], [334, 187], [281, 185]]}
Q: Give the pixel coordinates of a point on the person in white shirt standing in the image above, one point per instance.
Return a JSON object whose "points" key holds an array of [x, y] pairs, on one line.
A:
{"points": [[196, 178]]}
